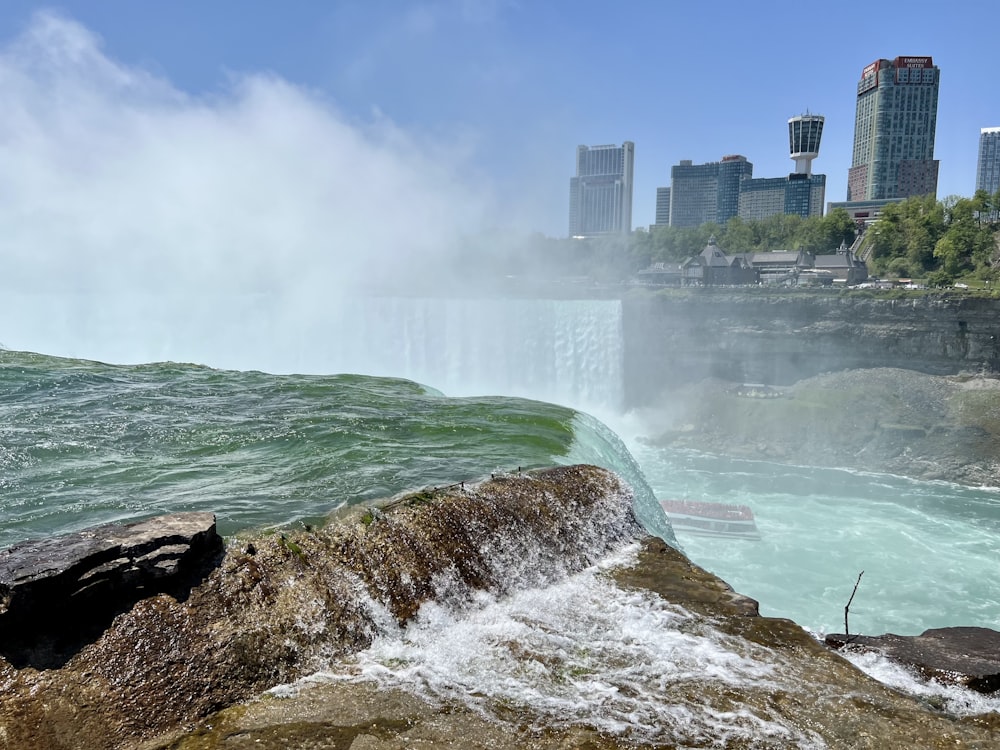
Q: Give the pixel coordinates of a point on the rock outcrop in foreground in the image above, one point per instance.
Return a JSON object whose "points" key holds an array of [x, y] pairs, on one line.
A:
{"points": [[54, 591], [180, 670]]}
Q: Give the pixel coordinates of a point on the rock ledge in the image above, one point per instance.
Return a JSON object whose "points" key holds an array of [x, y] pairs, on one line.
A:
{"points": [[967, 656]]}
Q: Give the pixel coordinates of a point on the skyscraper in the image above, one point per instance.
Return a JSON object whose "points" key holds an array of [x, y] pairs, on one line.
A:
{"points": [[798, 194], [600, 195], [663, 206], [988, 169], [894, 127], [701, 193]]}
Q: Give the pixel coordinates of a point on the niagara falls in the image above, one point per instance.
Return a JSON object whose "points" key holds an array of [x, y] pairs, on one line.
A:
{"points": [[303, 445]]}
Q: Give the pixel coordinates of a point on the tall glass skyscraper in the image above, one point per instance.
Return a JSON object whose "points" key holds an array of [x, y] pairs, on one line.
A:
{"points": [[701, 193], [600, 195], [988, 169], [894, 128]]}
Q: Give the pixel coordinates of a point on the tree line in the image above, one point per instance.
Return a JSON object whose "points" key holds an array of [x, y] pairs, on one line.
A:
{"points": [[815, 234], [921, 237], [942, 241]]}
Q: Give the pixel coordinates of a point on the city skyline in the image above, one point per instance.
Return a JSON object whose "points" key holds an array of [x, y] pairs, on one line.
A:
{"points": [[465, 79], [718, 191]]}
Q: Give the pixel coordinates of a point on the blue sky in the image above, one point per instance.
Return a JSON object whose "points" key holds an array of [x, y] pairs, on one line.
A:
{"points": [[501, 92]]}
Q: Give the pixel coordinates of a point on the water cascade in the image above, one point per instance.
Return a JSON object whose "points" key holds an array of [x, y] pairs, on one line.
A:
{"points": [[562, 351]]}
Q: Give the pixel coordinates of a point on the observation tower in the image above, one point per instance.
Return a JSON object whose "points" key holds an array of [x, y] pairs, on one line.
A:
{"points": [[804, 134]]}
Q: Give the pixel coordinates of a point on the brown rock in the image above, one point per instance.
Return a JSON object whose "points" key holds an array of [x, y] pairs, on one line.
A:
{"points": [[964, 656], [54, 592]]}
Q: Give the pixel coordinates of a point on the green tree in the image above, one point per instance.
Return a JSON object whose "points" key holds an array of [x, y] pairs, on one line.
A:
{"points": [[737, 236], [909, 229], [837, 228], [940, 278]]}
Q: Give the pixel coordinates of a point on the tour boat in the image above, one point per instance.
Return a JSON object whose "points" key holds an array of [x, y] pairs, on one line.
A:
{"points": [[711, 519]]}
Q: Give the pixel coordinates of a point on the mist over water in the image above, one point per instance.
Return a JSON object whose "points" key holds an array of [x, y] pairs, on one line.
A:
{"points": [[117, 186]]}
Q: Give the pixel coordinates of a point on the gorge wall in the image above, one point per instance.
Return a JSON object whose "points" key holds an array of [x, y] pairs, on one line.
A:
{"points": [[682, 336]]}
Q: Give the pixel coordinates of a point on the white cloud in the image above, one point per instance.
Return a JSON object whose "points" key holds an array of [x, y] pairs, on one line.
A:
{"points": [[114, 178]]}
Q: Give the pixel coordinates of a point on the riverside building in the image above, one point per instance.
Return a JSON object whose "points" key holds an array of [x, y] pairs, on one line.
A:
{"points": [[988, 166], [600, 195], [894, 127]]}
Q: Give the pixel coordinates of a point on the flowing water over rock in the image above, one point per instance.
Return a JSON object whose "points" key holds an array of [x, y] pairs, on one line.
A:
{"points": [[525, 611]]}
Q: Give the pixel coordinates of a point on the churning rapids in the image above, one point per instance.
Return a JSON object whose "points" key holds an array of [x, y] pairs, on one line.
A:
{"points": [[85, 443]]}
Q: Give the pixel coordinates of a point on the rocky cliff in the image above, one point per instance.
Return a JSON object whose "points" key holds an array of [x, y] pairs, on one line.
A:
{"points": [[880, 419], [676, 337]]}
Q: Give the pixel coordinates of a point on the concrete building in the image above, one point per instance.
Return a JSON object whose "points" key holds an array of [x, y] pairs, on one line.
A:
{"points": [[600, 195], [799, 194], [894, 127], [662, 206], [988, 166], [862, 212], [702, 193]]}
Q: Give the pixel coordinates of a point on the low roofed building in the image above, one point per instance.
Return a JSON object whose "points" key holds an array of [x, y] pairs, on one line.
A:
{"points": [[712, 267]]}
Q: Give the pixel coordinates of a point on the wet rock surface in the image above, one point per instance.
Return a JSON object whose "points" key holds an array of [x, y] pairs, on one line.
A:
{"points": [[54, 591], [967, 656], [280, 606], [834, 704], [187, 674]]}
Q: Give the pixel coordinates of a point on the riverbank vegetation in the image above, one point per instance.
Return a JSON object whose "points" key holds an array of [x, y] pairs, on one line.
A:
{"points": [[938, 242], [944, 241]]}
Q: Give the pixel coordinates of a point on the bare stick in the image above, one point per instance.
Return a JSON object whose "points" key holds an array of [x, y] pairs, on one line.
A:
{"points": [[847, 607]]}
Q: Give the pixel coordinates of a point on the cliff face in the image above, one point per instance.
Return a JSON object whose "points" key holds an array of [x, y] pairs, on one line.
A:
{"points": [[897, 421], [778, 338]]}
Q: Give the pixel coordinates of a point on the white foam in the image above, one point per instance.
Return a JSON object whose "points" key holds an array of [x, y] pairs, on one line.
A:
{"points": [[583, 651], [952, 698]]}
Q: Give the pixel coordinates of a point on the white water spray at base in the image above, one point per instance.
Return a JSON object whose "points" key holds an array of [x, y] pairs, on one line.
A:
{"points": [[582, 652]]}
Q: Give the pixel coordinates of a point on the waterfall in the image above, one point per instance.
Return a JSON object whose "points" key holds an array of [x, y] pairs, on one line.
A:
{"points": [[563, 351]]}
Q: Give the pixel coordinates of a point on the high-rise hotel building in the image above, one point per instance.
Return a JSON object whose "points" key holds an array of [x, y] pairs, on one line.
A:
{"points": [[600, 195], [894, 128], [701, 193], [988, 169]]}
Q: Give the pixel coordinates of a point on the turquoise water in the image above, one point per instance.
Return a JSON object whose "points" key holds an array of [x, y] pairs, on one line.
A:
{"points": [[927, 549]]}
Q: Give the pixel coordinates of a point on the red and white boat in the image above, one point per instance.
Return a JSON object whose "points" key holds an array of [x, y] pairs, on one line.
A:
{"points": [[711, 519]]}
